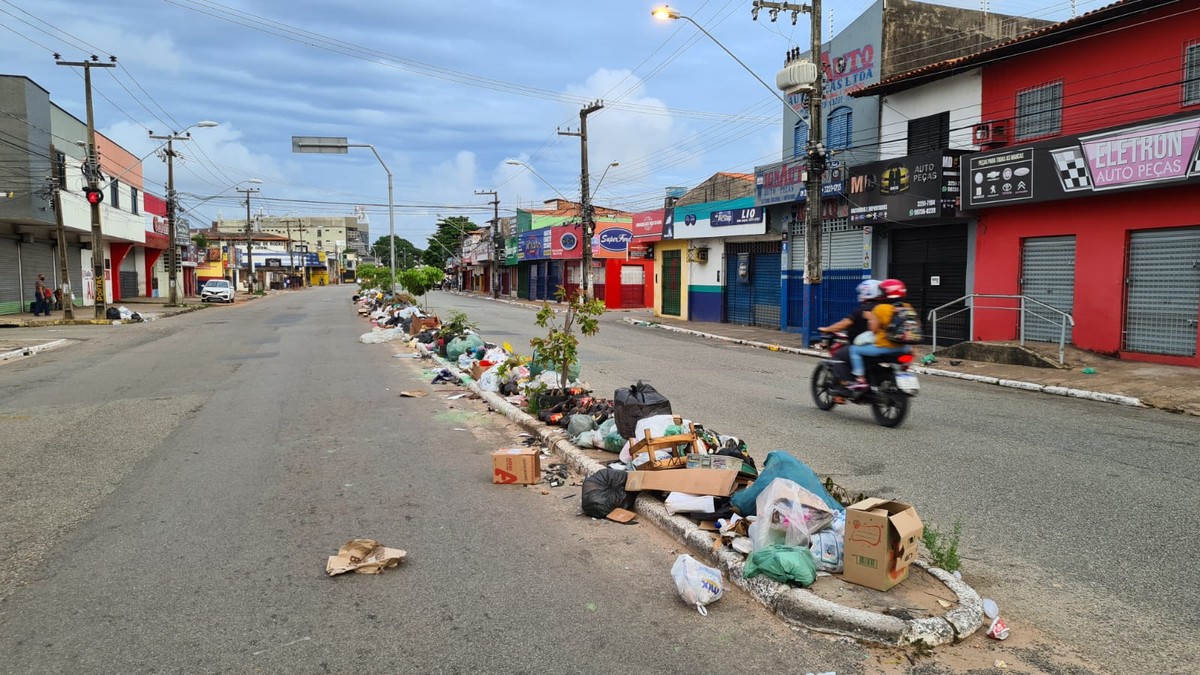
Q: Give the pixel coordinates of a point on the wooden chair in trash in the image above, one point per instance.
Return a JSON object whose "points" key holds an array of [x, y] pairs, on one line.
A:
{"points": [[679, 445]]}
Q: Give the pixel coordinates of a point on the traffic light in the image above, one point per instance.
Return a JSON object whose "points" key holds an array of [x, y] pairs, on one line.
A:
{"points": [[94, 195]]}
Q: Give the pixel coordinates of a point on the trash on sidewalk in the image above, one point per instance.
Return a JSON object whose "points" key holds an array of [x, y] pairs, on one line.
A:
{"points": [[692, 481], [785, 564], [622, 516], [698, 584], [631, 404], [414, 394], [998, 630], [881, 542], [516, 466], [364, 556], [604, 491], [682, 502]]}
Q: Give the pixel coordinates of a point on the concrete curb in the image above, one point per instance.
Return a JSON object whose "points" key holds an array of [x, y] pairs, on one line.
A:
{"points": [[30, 351], [24, 323], [923, 370], [796, 606]]}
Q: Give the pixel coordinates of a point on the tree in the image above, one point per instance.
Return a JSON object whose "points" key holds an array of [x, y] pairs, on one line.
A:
{"points": [[407, 254], [447, 241], [419, 280], [200, 241], [560, 347], [375, 276]]}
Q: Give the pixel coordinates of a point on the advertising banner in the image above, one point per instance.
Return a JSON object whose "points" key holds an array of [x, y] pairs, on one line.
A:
{"points": [[914, 188], [727, 218], [1165, 152], [612, 239], [785, 182], [534, 245]]}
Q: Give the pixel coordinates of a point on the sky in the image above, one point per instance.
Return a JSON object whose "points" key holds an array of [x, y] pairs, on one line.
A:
{"points": [[447, 93]]}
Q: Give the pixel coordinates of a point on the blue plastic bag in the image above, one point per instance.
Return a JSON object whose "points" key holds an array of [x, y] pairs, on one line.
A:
{"points": [[781, 464]]}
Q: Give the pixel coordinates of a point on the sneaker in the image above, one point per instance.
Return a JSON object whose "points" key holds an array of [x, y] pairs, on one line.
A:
{"points": [[858, 386]]}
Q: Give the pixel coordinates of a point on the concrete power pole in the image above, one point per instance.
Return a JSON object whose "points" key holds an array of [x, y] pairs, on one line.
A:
{"points": [[249, 239], [92, 171], [497, 240], [172, 207], [585, 196]]}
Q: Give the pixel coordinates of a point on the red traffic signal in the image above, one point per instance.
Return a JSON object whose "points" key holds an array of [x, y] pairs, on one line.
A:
{"points": [[94, 195]]}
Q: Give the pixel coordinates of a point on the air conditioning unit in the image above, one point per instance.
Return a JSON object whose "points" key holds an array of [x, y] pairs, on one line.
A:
{"points": [[697, 255], [990, 134]]}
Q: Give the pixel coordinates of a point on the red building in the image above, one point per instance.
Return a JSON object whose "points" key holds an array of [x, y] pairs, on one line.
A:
{"points": [[1087, 189]]}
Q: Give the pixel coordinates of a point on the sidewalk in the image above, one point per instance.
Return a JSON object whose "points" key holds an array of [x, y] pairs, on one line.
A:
{"points": [[152, 308], [1171, 388]]}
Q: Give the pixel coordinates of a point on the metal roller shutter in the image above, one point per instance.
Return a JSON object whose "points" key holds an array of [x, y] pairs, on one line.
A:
{"points": [[38, 258], [554, 278], [75, 265], [523, 281], [11, 299], [1162, 304], [932, 262], [1047, 275], [756, 303], [737, 292]]}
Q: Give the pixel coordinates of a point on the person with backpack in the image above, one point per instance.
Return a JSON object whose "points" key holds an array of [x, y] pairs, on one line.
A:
{"points": [[855, 322], [895, 326]]}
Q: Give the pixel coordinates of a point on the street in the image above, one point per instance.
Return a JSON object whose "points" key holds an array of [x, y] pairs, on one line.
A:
{"points": [[175, 487]]}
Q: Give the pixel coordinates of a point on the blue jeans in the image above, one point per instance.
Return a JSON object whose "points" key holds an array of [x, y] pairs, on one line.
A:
{"points": [[40, 306], [857, 352]]}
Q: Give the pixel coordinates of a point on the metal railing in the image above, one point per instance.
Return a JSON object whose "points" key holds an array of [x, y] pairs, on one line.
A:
{"points": [[1027, 306]]}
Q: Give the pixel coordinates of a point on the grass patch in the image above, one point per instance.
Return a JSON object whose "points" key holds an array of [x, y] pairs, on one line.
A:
{"points": [[943, 547]]}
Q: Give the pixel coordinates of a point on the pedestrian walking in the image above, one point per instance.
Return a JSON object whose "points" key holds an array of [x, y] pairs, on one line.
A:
{"points": [[39, 296]]}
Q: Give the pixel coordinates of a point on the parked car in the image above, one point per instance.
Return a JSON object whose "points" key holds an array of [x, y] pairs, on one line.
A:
{"points": [[217, 290]]}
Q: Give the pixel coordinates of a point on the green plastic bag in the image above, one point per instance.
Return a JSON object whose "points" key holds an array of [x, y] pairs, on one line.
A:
{"points": [[786, 564], [538, 365], [458, 345]]}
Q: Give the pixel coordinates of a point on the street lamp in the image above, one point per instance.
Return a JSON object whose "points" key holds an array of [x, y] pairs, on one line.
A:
{"points": [[815, 151], [515, 162], [597, 188], [338, 145], [173, 246]]}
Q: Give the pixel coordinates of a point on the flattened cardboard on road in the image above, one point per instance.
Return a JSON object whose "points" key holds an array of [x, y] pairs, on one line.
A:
{"points": [[881, 542], [363, 556], [714, 482], [516, 466]]}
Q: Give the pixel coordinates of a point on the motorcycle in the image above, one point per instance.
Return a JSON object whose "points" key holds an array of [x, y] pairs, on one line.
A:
{"points": [[891, 385]]}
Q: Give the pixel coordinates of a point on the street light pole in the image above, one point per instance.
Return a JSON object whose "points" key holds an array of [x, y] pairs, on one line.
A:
{"points": [[172, 206], [249, 239], [585, 194], [497, 240]]}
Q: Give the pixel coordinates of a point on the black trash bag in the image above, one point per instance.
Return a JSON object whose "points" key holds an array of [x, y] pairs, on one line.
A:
{"points": [[112, 313], [135, 317], [604, 491], [633, 404]]}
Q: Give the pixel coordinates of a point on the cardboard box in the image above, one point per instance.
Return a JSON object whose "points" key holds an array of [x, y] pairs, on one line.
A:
{"points": [[722, 462], [477, 371], [517, 466], [419, 324], [713, 482], [881, 542]]}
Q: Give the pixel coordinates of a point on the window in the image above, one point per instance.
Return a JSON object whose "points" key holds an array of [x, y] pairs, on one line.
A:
{"points": [[318, 233], [115, 193], [1191, 74], [1039, 111], [133, 200], [840, 127], [60, 163], [929, 134], [799, 139]]}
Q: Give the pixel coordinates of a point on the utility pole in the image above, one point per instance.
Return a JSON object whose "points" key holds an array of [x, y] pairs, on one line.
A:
{"points": [[249, 238], [816, 156], [584, 193], [92, 171], [173, 247], [291, 259], [56, 190], [497, 240]]}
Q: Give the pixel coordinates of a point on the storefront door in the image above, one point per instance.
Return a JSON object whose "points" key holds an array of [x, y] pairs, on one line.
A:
{"points": [[932, 262], [1048, 276], [1162, 303], [672, 279], [754, 301]]}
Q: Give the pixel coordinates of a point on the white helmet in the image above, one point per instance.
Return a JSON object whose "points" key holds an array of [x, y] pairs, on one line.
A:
{"points": [[868, 290]]}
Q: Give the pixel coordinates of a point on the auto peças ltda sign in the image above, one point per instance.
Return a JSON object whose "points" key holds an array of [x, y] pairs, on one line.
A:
{"points": [[1160, 153], [920, 188]]}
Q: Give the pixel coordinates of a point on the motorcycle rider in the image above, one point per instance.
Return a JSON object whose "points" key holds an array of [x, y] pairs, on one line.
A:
{"points": [[855, 322], [878, 320]]}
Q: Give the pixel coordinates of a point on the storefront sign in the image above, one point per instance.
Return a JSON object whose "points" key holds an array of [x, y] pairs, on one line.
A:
{"points": [[534, 245], [918, 188], [1161, 153], [648, 225], [785, 182], [511, 246], [729, 217], [612, 239], [566, 242]]}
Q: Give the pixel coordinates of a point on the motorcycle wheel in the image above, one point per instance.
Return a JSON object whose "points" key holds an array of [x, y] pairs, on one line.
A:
{"points": [[822, 384], [890, 406]]}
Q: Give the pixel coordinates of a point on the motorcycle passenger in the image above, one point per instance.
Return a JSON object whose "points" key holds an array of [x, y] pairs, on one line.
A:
{"points": [[878, 320]]}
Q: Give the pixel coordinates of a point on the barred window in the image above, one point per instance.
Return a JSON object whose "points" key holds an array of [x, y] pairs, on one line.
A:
{"points": [[841, 127], [1039, 111], [1191, 74]]}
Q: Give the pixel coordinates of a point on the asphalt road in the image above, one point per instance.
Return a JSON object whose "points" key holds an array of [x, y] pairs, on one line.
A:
{"points": [[172, 489], [1078, 517]]}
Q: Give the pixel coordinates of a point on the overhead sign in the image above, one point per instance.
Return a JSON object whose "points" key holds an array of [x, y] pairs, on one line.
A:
{"points": [[1166, 152], [566, 242], [337, 145], [919, 187], [785, 182], [726, 218]]}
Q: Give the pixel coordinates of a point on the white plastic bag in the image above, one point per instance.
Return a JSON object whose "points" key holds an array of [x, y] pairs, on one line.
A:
{"points": [[465, 361], [698, 584], [489, 381], [826, 547], [379, 336], [788, 514]]}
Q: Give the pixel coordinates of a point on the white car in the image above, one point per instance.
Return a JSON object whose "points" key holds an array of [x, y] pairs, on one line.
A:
{"points": [[217, 290]]}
